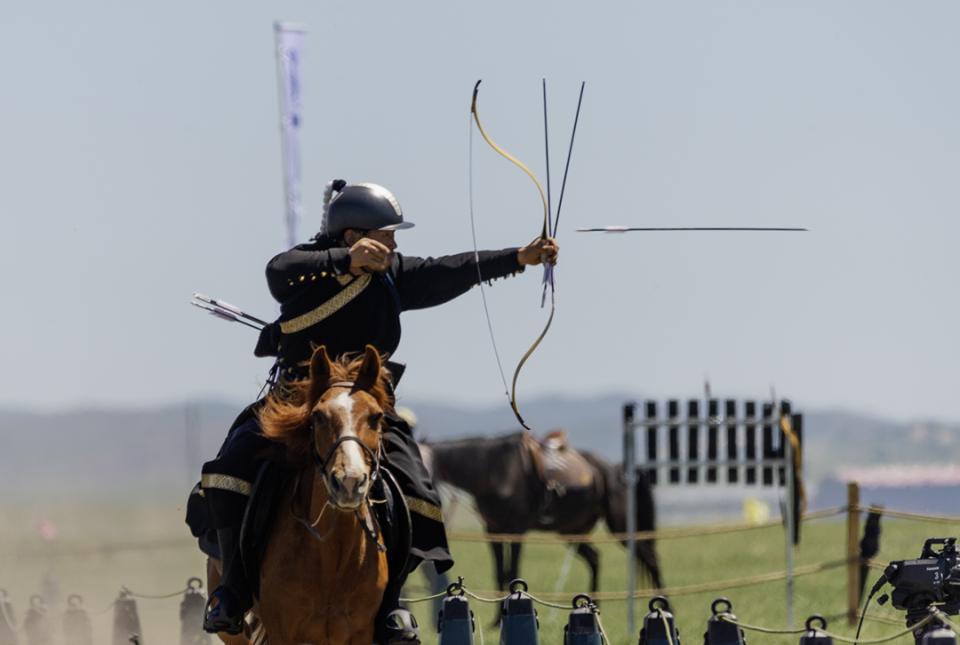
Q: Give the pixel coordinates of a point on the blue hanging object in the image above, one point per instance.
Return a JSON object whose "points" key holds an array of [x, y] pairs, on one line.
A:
{"points": [[519, 624], [582, 627], [815, 636], [455, 623], [658, 626], [720, 631]]}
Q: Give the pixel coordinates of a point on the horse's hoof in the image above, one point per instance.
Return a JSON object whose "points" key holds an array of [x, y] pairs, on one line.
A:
{"points": [[218, 617], [401, 628]]}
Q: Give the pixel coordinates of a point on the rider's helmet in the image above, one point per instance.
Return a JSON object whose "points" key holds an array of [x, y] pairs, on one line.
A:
{"points": [[366, 207]]}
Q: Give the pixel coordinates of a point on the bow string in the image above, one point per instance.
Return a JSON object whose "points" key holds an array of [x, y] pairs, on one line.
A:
{"points": [[548, 277]]}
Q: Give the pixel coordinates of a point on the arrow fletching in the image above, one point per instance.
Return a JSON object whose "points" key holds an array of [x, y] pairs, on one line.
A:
{"points": [[228, 307], [223, 314]]}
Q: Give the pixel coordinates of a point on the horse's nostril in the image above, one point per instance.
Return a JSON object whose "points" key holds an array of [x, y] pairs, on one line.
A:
{"points": [[334, 483]]}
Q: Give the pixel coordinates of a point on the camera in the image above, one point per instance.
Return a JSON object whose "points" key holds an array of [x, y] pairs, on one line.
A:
{"points": [[933, 578], [919, 584]]}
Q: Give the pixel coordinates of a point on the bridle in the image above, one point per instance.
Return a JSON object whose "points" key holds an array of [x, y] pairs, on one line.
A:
{"points": [[370, 526]]}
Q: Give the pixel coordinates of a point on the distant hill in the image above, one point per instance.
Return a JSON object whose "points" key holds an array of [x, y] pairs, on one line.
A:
{"points": [[156, 454]]}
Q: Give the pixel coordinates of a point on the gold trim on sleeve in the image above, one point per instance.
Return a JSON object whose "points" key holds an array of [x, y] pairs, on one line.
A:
{"points": [[328, 308], [426, 509], [226, 482]]}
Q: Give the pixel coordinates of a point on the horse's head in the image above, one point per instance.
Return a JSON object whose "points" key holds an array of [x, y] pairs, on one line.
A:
{"points": [[346, 410]]}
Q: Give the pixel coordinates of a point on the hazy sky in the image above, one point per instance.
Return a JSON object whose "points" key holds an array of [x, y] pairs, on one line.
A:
{"points": [[140, 161]]}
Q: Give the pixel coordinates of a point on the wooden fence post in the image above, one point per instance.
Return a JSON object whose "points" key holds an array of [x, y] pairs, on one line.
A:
{"points": [[853, 552]]}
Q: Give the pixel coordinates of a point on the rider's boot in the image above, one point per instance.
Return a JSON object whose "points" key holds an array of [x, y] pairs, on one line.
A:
{"points": [[232, 599], [397, 626]]}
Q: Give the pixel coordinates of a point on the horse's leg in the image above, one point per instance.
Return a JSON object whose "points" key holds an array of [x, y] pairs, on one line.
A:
{"points": [[592, 557], [514, 561], [214, 575], [646, 557], [498, 564]]}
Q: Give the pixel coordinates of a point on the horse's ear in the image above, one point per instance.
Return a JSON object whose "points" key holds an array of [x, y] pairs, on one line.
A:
{"points": [[369, 372], [319, 373]]}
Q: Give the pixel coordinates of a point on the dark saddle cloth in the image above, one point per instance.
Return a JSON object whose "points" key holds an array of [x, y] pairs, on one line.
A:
{"points": [[392, 517]]}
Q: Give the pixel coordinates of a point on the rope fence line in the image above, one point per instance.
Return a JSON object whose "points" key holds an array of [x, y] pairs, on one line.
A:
{"points": [[546, 599], [837, 637], [462, 536], [162, 597], [880, 618], [103, 549], [497, 596], [545, 538], [903, 515]]}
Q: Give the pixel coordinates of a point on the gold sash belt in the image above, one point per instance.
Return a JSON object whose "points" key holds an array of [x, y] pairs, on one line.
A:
{"points": [[328, 308]]}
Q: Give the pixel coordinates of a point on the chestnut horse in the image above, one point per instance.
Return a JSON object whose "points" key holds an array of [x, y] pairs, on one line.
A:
{"points": [[324, 570]]}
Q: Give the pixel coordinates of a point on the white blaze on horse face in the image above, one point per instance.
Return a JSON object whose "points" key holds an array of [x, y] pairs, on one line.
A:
{"points": [[351, 455]]}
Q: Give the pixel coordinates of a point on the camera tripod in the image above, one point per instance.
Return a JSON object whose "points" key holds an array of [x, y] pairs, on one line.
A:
{"points": [[919, 613]]}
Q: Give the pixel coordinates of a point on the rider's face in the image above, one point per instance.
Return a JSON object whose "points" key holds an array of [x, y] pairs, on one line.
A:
{"points": [[384, 237]]}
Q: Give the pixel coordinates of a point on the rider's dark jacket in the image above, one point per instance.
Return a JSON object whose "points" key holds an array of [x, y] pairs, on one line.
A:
{"points": [[322, 303]]}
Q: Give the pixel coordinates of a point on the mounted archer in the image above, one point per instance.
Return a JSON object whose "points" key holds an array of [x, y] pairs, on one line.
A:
{"points": [[343, 290]]}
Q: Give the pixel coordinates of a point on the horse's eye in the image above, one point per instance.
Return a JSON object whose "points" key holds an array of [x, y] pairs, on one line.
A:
{"points": [[375, 419], [319, 417]]}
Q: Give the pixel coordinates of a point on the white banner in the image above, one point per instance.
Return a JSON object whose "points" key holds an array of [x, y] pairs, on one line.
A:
{"points": [[289, 40]]}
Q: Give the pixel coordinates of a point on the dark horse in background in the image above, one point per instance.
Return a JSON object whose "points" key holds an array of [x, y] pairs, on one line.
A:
{"points": [[520, 484]]}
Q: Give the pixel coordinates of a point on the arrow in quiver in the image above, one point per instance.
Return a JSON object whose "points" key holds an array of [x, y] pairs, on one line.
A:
{"points": [[191, 615], [8, 626], [519, 624], [815, 636], [77, 629], [126, 622], [582, 627], [658, 626], [720, 631], [37, 623], [455, 623]]}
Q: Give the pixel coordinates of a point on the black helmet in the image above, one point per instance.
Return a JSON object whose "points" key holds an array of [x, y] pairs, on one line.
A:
{"points": [[366, 207]]}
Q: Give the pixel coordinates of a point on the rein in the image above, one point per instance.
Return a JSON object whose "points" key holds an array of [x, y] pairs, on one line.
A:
{"points": [[371, 527]]}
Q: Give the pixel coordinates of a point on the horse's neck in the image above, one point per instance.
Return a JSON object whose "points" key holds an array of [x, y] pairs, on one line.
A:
{"points": [[474, 465]]}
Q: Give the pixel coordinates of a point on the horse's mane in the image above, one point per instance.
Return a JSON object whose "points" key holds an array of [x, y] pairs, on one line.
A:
{"points": [[287, 418]]}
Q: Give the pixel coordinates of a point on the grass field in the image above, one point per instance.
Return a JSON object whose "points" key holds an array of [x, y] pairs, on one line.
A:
{"points": [[99, 548]]}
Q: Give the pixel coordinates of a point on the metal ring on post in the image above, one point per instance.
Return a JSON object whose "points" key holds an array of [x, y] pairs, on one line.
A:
{"points": [[665, 604], [713, 607], [585, 598], [518, 581], [198, 581], [823, 621]]}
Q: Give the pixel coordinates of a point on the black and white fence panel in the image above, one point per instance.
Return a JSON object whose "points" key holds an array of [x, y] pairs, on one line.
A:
{"points": [[710, 450]]}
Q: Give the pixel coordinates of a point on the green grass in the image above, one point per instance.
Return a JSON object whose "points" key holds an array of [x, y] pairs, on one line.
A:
{"points": [[696, 560], [83, 566]]}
